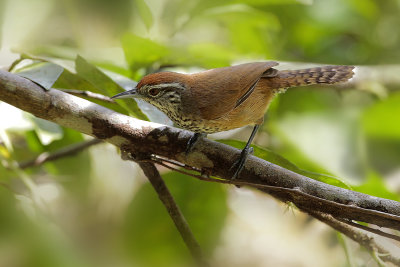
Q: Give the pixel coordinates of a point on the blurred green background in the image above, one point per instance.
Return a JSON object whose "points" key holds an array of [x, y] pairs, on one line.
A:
{"points": [[92, 209]]}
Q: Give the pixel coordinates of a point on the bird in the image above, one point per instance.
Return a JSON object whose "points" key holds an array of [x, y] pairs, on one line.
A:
{"points": [[227, 98]]}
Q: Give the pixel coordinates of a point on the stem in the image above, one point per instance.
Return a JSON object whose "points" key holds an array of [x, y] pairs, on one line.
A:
{"points": [[64, 152], [174, 212]]}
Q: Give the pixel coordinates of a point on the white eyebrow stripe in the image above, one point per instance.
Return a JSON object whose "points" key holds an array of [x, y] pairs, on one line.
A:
{"points": [[165, 85]]}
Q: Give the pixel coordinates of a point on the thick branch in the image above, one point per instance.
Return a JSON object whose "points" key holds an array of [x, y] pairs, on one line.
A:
{"points": [[139, 137]]}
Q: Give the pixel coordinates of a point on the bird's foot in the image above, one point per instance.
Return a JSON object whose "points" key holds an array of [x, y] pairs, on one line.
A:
{"points": [[239, 164], [192, 141]]}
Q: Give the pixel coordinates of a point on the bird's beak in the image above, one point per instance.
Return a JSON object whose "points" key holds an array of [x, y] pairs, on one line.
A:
{"points": [[127, 94]]}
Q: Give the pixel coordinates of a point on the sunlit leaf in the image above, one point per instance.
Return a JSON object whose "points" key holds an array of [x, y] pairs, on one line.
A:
{"points": [[47, 131], [69, 80], [33, 142], [274, 2], [375, 186], [382, 119], [4, 152], [43, 73], [141, 52], [145, 13], [329, 139], [247, 28], [210, 55], [367, 8], [105, 85], [122, 70]]}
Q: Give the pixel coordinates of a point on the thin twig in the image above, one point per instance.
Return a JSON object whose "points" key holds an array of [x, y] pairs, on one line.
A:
{"points": [[343, 226], [88, 94], [175, 213], [363, 239], [63, 152], [369, 229], [160, 160]]}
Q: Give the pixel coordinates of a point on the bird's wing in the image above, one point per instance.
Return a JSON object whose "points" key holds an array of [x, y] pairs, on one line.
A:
{"points": [[218, 91]]}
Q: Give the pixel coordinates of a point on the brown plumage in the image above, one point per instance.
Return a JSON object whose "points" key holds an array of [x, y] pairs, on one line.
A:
{"points": [[227, 98], [318, 75]]}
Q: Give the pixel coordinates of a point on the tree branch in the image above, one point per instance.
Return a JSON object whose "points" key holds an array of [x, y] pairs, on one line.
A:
{"points": [[175, 213], [358, 236], [63, 152], [88, 94], [140, 137]]}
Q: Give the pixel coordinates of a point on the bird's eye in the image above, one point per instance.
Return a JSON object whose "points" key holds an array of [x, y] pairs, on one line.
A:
{"points": [[154, 91]]}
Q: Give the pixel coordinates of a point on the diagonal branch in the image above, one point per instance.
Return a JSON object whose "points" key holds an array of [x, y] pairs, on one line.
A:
{"points": [[64, 152], [175, 213], [358, 236], [137, 137], [274, 191], [343, 226]]}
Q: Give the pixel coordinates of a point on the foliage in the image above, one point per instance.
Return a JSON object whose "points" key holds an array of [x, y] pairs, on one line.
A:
{"points": [[352, 135]]}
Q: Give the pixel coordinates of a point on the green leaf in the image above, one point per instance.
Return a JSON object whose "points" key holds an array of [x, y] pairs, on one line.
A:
{"points": [[65, 80], [274, 2], [43, 73], [73, 173], [276, 159], [105, 85], [375, 186], [330, 139], [33, 142], [210, 55], [150, 236], [247, 28], [382, 119], [69, 80], [47, 131], [145, 13], [141, 52]]}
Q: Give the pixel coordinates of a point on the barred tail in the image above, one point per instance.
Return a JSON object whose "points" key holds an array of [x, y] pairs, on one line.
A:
{"points": [[319, 75]]}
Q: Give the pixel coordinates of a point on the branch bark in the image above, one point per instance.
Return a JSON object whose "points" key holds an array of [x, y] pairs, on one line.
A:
{"points": [[175, 213], [358, 236], [140, 137]]}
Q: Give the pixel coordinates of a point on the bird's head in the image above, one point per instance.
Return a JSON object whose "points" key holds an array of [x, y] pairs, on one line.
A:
{"points": [[159, 89]]}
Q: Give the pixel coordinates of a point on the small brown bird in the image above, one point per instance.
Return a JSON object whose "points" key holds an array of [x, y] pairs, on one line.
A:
{"points": [[227, 98]]}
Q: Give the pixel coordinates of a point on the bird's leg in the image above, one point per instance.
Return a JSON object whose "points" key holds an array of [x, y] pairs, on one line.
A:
{"points": [[239, 164], [193, 140]]}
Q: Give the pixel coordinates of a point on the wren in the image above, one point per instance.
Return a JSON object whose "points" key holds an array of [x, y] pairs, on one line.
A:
{"points": [[222, 99]]}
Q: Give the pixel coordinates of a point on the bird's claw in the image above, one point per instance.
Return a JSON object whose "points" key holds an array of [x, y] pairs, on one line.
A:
{"points": [[239, 164], [192, 142]]}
